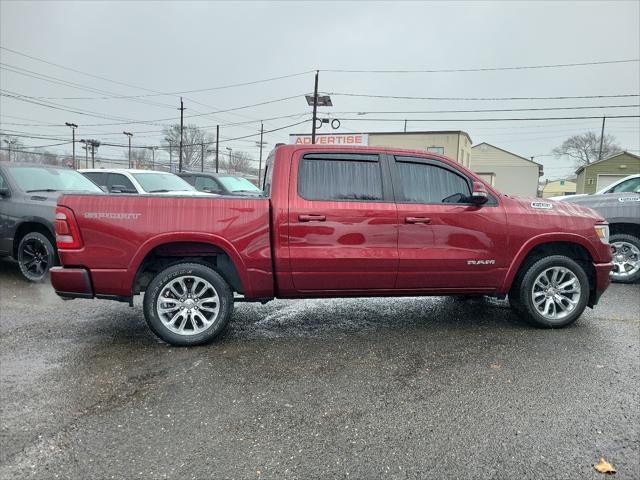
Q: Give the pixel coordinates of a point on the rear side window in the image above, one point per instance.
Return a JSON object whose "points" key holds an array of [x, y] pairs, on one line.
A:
{"points": [[206, 184], [427, 183], [98, 178], [118, 183], [342, 177]]}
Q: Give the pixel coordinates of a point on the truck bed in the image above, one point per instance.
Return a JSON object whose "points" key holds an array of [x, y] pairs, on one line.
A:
{"points": [[120, 231]]}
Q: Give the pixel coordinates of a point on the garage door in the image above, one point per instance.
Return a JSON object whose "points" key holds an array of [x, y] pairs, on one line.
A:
{"points": [[606, 180]]}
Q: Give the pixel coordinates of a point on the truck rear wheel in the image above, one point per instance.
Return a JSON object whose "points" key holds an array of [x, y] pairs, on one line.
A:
{"points": [[551, 292], [188, 304]]}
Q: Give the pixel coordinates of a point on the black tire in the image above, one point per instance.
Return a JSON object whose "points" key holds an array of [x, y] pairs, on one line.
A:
{"points": [[521, 296], [36, 256], [627, 243], [194, 330]]}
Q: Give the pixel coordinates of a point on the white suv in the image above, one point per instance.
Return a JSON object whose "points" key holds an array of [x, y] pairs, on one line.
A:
{"points": [[120, 180]]}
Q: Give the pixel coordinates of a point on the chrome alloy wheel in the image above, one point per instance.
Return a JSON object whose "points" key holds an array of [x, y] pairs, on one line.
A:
{"points": [[556, 293], [188, 305], [626, 260]]}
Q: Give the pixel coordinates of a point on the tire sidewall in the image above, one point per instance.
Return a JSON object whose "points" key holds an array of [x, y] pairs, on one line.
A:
{"points": [[526, 305], [51, 253], [156, 286], [623, 237]]}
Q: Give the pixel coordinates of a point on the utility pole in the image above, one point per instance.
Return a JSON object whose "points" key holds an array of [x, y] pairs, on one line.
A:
{"points": [[601, 139], [153, 157], [202, 157], [260, 158], [405, 126], [129, 134], [73, 141], [86, 152], [217, 144], [168, 140], [315, 109], [181, 128], [93, 144]]}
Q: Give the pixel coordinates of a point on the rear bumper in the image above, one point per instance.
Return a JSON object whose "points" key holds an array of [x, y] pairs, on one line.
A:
{"points": [[71, 282], [603, 281]]}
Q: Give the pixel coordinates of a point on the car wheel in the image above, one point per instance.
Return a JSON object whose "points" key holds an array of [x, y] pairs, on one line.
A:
{"points": [[626, 258], [36, 256], [552, 292], [188, 304]]}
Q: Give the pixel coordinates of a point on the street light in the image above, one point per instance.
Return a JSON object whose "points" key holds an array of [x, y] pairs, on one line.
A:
{"points": [[153, 157], [86, 152], [73, 141], [129, 134], [316, 101], [170, 142], [230, 159]]}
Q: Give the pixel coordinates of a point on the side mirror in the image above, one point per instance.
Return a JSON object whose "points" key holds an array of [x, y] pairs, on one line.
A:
{"points": [[479, 196], [4, 192]]}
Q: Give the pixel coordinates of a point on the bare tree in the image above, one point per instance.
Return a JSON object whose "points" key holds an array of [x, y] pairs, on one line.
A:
{"points": [[584, 148], [140, 158], [193, 137], [238, 162]]}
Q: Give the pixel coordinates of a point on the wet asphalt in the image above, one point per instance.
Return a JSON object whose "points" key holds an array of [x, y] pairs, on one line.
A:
{"points": [[358, 388]]}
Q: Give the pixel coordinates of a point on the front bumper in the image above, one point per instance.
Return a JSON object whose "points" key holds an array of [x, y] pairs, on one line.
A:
{"points": [[603, 281]]}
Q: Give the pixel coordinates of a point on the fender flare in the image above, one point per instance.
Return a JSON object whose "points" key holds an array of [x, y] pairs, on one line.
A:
{"points": [[200, 237], [525, 249]]}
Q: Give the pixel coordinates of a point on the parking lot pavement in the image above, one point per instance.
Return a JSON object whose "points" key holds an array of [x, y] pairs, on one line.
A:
{"points": [[357, 388]]}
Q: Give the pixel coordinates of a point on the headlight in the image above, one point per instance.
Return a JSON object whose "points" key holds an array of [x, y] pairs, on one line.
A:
{"points": [[603, 233]]}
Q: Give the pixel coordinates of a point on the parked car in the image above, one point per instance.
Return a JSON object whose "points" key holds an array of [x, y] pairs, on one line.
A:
{"points": [[120, 180], [221, 183], [624, 185], [622, 211], [28, 195], [335, 221]]}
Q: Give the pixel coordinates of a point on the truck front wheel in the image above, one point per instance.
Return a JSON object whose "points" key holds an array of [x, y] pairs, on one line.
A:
{"points": [[551, 292], [188, 304]]}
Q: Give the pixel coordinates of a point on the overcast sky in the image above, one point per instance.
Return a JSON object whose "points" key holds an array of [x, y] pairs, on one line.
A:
{"points": [[181, 46]]}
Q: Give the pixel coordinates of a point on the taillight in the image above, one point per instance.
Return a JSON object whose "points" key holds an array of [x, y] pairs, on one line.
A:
{"points": [[67, 232]]}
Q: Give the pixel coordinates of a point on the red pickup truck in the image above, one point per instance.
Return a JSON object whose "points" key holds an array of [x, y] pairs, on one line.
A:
{"points": [[334, 221]]}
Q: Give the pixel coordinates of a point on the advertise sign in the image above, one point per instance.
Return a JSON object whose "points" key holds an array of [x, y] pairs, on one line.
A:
{"points": [[353, 139]]}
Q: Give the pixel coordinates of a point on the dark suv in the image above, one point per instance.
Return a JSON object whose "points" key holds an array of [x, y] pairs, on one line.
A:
{"points": [[28, 195], [221, 183]]}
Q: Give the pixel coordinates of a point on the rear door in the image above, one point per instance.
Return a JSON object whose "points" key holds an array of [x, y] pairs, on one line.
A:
{"points": [[443, 243], [342, 222]]}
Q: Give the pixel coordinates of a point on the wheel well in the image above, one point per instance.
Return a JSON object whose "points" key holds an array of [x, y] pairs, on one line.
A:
{"points": [[169, 254], [28, 227], [572, 250], [626, 228]]}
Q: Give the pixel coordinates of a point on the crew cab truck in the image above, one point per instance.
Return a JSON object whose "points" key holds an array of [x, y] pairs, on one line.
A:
{"points": [[333, 221]]}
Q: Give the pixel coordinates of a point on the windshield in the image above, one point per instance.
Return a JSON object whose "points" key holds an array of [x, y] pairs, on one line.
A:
{"points": [[41, 179], [161, 182], [238, 184]]}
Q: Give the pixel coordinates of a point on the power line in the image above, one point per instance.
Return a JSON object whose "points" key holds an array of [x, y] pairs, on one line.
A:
{"points": [[481, 119], [156, 93], [484, 69], [486, 110], [401, 97]]}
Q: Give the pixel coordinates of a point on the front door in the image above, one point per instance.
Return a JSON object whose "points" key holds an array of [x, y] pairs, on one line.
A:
{"points": [[342, 223], [444, 243]]}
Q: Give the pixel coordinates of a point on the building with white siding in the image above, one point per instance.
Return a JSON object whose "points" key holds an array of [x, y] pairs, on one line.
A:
{"points": [[507, 172]]}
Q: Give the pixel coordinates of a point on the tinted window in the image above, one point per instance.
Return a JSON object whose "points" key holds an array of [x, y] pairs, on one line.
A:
{"points": [[3, 184], [426, 183], [98, 178], [118, 183], [340, 179], [207, 184]]}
